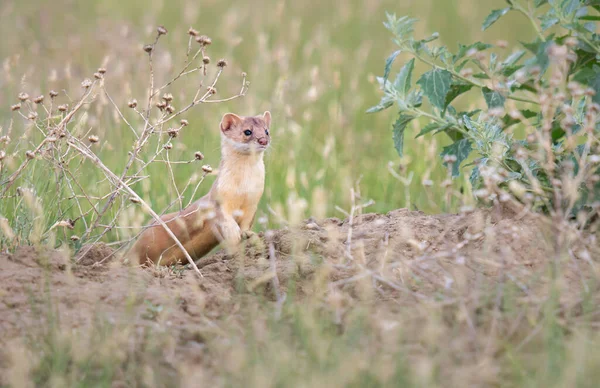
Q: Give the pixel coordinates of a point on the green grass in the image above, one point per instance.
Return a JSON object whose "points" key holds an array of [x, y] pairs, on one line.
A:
{"points": [[315, 74]]}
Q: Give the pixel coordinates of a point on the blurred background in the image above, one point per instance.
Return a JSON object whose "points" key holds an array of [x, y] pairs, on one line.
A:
{"points": [[311, 63]]}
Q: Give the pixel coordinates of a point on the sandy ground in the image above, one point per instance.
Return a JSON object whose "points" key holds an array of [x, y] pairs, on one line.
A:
{"points": [[404, 255]]}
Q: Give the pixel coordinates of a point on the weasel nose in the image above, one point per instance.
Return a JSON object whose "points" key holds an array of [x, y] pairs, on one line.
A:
{"points": [[263, 141]]}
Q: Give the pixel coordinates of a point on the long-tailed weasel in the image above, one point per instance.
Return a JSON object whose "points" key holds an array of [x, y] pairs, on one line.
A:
{"points": [[227, 210]]}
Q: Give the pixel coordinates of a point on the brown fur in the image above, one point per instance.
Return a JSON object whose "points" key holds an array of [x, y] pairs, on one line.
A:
{"points": [[227, 210]]}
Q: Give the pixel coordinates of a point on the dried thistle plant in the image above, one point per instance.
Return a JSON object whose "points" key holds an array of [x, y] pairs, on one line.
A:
{"points": [[54, 133]]}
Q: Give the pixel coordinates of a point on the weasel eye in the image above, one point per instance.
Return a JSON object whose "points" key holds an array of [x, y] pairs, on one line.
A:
{"points": [[267, 132], [247, 132]]}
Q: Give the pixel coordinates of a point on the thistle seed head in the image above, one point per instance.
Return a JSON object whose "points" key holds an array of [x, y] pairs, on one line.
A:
{"points": [[184, 123], [148, 48], [502, 44], [30, 155], [86, 83], [170, 108], [193, 32], [173, 132], [558, 51], [571, 42], [132, 104], [207, 168], [222, 63], [168, 97], [93, 139], [161, 30], [206, 60], [63, 107], [535, 71], [53, 94], [467, 72], [15, 107], [23, 96], [575, 89], [450, 159], [496, 112], [203, 40], [39, 99], [198, 155]]}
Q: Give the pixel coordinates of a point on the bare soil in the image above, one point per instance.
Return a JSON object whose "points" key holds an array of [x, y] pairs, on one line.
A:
{"points": [[408, 255]]}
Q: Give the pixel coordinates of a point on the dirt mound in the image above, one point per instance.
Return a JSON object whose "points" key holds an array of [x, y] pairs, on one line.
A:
{"points": [[97, 253], [406, 254], [397, 239]]}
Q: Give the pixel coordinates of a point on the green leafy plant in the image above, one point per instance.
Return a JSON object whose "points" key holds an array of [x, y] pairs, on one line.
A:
{"points": [[537, 122]]}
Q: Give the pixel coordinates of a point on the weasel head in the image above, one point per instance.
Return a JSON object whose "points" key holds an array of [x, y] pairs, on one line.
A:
{"points": [[246, 135]]}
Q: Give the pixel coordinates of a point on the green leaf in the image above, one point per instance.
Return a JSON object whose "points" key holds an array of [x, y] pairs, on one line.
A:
{"points": [[456, 90], [431, 127], [567, 8], [403, 80], [508, 121], [591, 78], [461, 149], [493, 17], [548, 22], [436, 85], [414, 98], [481, 76], [384, 104], [388, 65], [539, 3], [513, 58], [507, 71], [402, 27], [476, 173], [540, 49], [464, 49], [398, 132], [493, 98], [493, 62]]}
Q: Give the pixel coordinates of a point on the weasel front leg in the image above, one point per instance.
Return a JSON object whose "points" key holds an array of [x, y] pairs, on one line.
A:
{"points": [[227, 231], [245, 225]]}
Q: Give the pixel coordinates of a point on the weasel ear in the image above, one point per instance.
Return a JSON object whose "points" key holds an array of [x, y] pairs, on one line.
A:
{"points": [[229, 120], [267, 118]]}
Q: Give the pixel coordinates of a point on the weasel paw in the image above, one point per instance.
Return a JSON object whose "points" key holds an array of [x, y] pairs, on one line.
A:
{"points": [[248, 234]]}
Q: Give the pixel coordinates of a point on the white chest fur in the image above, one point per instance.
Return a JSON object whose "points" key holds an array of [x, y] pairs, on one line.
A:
{"points": [[241, 183]]}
